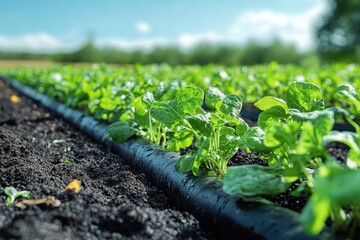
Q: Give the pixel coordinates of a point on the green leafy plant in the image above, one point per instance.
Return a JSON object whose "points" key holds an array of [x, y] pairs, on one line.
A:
{"points": [[292, 139], [350, 96], [217, 133], [12, 194], [329, 195]]}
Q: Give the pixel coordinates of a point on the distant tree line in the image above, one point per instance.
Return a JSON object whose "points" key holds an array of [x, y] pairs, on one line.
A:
{"points": [[202, 54], [25, 56]]}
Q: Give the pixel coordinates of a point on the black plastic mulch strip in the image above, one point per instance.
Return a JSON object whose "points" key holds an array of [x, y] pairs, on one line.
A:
{"points": [[227, 217]]}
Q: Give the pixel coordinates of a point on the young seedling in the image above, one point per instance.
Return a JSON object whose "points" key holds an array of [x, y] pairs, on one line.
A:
{"points": [[12, 194], [66, 161], [215, 131]]}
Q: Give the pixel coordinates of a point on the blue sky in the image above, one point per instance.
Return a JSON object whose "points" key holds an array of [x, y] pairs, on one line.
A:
{"points": [[49, 25]]}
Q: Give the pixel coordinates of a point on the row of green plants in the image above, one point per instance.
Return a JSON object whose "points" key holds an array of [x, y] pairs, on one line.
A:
{"points": [[291, 135], [249, 82]]}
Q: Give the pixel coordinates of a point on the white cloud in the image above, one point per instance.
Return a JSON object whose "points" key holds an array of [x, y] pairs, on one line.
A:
{"points": [[189, 40], [39, 42], [266, 24], [127, 44], [143, 27], [184, 41]]}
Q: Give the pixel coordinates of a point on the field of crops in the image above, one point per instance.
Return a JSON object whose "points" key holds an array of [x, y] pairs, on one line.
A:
{"points": [[197, 111]]}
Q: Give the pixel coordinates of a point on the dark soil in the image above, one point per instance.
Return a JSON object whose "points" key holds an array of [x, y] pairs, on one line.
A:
{"points": [[41, 153], [242, 157]]}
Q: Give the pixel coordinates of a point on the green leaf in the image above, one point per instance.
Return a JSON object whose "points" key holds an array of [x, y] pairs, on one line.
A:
{"points": [[310, 141], [141, 112], [181, 139], [329, 191], [12, 194], [165, 112], [200, 155], [271, 115], [295, 164], [252, 180], [201, 123], [225, 134], [231, 106], [230, 120], [140, 107], [108, 104], [185, 163], [188, 100], [330, 181], [353, 157], [305, 97], [120, 132], [281, 133], [164, 93], [268, 102], [148, 98], [228, 148], [216, 119], [214, 98], [349, 95], [242, 127], [311, 116], [253, 139], [175, 144], [349, 138], [332, 186], [314, 214], [225, 130], [338, 112]]}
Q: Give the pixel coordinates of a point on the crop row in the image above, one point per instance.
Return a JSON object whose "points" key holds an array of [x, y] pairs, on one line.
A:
{"points": [[198, 109], [251, 83]]}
